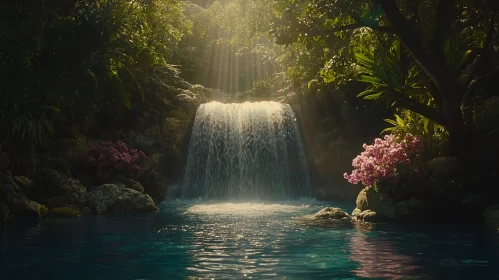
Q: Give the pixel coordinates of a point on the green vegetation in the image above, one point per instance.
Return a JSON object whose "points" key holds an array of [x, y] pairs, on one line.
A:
{"points": [[76, 72], [65, 65]]}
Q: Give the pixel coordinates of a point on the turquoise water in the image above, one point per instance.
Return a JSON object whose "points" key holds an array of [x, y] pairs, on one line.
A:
{"points": [[198, 240]]}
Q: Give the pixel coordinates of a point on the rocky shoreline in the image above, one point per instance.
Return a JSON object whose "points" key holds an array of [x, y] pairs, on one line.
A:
{"points": [[51, 194]]}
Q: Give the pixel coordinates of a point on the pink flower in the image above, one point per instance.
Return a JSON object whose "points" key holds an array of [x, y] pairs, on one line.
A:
{"points": [[107, 156], [379, 161]]}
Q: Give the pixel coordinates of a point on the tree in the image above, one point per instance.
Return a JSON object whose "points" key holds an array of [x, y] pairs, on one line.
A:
{"points": [[63, 61], [429, 32]]}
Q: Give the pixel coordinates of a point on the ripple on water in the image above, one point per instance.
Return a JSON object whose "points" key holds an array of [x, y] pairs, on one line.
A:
{"points": [[258, 240]]}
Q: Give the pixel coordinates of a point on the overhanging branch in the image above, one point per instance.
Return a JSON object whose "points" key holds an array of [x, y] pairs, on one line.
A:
{"points": [[411, 39]]}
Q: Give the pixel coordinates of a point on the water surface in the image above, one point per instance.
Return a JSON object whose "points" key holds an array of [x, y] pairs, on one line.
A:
{"points": [[213, 240]]}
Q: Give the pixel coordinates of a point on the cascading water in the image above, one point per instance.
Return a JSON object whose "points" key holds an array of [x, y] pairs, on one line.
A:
{"points": [[245, 151]]}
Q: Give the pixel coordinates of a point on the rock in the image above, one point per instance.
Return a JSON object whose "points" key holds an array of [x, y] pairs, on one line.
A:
{"points": [[16, 205], [187, 97], [410, 209], [382, 204], [44, 211], [330, 213], [442, 173], [129, 183], [110, 198], [23, 182], [365, 216], [65, 212], [55, 190], [491, 217], [329, 216]]}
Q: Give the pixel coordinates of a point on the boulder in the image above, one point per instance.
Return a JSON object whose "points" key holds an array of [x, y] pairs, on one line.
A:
{"points": [[129, 183], [379, 206], [331, 213], [329, 216], [365, 216], [15, 205], [411, 209], [491, 217], [56, 190], [116, 198], [442, 173], [23, 182]]}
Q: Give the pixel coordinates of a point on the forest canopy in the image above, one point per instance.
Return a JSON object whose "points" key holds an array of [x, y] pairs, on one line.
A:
{"points": [[430, 63]]}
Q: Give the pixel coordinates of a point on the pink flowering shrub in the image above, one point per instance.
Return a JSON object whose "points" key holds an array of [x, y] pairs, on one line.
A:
{"points": [[108, 157], [379, 161]]}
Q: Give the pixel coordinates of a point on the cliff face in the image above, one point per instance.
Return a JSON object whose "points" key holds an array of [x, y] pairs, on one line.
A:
{"points": [[328, 152], [333, 129]]}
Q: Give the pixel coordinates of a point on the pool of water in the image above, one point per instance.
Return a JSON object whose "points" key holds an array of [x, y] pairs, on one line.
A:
{"points": [[216, 240]]}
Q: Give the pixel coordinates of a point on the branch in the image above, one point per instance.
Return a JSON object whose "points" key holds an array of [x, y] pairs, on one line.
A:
{"points": [[417, 107], [411, 39], [432, 89]]}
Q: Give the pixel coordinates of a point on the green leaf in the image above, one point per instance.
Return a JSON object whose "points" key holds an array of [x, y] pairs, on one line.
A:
{"points": [[388, 129], [370, 79], [392, 122], [366, 92], [374, 96], [400, 121]]}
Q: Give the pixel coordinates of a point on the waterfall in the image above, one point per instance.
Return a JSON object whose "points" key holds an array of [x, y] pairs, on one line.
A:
{"points": [[245, 151]]}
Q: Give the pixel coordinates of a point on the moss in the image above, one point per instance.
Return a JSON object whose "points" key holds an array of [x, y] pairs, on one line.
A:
{"points": [[177, 113], [65, 212], [43, 211], [23, 182]]}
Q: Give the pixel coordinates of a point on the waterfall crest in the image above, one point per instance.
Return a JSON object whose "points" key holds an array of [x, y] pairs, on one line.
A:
{"points": [[245, 151]]}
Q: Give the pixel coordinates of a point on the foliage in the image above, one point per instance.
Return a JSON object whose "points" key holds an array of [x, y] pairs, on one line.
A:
{"points": [[64, 62], [118, 157], [379, 162], [434, 58], [432, 135], [229, 48]]}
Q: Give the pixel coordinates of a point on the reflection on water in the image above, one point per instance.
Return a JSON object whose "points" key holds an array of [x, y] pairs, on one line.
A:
{"points": [[257, 240], [379, 258]]}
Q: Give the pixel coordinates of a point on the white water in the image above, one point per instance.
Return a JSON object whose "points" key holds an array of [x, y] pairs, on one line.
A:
{"points": [[245, 151]]}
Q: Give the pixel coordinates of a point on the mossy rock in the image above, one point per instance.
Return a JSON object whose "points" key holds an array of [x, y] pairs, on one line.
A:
{"points": [[23, 182], [65, 212], [129, 183], [43, 211]]}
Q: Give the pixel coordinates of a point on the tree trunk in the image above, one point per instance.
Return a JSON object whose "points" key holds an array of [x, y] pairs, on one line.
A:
{"points": [[459, 139]]}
